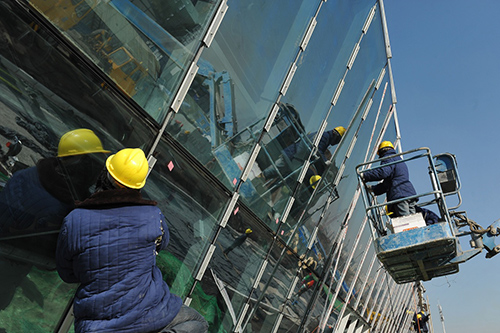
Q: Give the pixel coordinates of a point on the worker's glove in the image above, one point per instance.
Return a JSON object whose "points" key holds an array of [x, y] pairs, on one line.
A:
{"points": [[328, 162], [369, 188]]}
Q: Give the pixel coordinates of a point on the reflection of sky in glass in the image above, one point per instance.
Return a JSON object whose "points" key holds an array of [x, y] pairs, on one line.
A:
{"points": [[366, 68], [323, 63], [256, 59]]}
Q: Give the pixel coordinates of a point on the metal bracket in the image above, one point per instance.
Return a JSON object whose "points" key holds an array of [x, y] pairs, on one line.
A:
{"points": [[353, 56], [229, 209], [184, 88], [204, 265], [221, 12], [289, 77], [340, 86], [308, 34], [369, 19], [271, 117], [250, 162]]}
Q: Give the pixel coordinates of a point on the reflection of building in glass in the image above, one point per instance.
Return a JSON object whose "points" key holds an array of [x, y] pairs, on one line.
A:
{"points": [[213, 92]]}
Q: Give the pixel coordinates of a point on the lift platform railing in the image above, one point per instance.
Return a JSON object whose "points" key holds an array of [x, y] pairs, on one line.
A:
{"points": [[446, 167], [424, 252], [375, 209]]}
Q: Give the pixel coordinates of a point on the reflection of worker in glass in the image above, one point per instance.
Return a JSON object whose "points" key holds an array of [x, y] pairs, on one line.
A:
{"points": [[420, 322], [40, 197], [238, 241], [36, 200], [109, 244], [395, 181], [294, 155]]}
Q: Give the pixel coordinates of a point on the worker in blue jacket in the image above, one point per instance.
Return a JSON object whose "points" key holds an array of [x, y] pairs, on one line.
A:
{"points": [[395, 181], [295, 154], [36, 200], [109, 244]]}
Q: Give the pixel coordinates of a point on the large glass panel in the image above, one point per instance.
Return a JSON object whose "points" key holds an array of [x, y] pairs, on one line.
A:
{"points": [[323, 64], [362, 285], [143, 45], [58, 125], [227, 283], [319, 71], [192, 205], [272, 291], [370, 59], [238, 81], [348, 183]]}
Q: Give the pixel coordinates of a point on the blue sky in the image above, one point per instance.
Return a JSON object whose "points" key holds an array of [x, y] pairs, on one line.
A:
{"points": [[446, 67]]}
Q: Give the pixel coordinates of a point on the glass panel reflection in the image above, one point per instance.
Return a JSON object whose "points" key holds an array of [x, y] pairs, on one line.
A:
{"points": [[240, 251], [237, 83], [144, 46], [192, 206], [58, 126]]}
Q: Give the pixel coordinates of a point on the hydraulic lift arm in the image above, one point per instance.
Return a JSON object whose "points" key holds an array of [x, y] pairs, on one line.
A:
{"points": [[482, 238]]}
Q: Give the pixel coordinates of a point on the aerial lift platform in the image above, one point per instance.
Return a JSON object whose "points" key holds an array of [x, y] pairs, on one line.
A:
{"points": [[412, 250]]}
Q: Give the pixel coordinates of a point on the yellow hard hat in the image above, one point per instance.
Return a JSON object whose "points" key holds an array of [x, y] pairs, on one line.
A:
{"points": [[78, 142], [248, 231], [129, 167], [340, 130], [314, 180], [385, 144]]}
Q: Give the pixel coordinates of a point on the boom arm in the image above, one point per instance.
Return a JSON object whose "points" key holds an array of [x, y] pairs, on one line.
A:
{"points": [[481, 238]]}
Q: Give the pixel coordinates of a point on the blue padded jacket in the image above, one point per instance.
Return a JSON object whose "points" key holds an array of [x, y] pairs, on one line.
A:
{"points": [[112, 253], [395, 178]]}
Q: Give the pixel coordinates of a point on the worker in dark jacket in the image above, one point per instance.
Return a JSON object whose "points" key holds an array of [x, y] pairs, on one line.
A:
{"points": [[109, 244], [39, 197], [429, 216], [395, 181], [36, 200], [238, 241], [294, 155], [420, 322]]}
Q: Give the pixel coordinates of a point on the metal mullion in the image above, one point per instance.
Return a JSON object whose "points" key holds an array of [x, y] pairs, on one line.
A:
{"points": [[216, 21], [408, 317], [385, 30], [326, 315], [392, 308], [381, 307], [387, 301], [375, 299], [370, 291], [355, 307], [211, 248], [171, 112], [397, 315], [353, 283], [404, 304]]}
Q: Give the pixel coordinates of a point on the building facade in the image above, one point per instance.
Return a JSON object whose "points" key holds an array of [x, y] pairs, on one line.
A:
{"points": [[217, 93]]}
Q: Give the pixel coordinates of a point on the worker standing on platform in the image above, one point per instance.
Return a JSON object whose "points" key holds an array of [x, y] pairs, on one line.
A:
{"points": [[109, 244], [395, 181]]}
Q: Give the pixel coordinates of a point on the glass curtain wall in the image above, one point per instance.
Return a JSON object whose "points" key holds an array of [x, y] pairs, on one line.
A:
{"points": [[233, 101]]}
